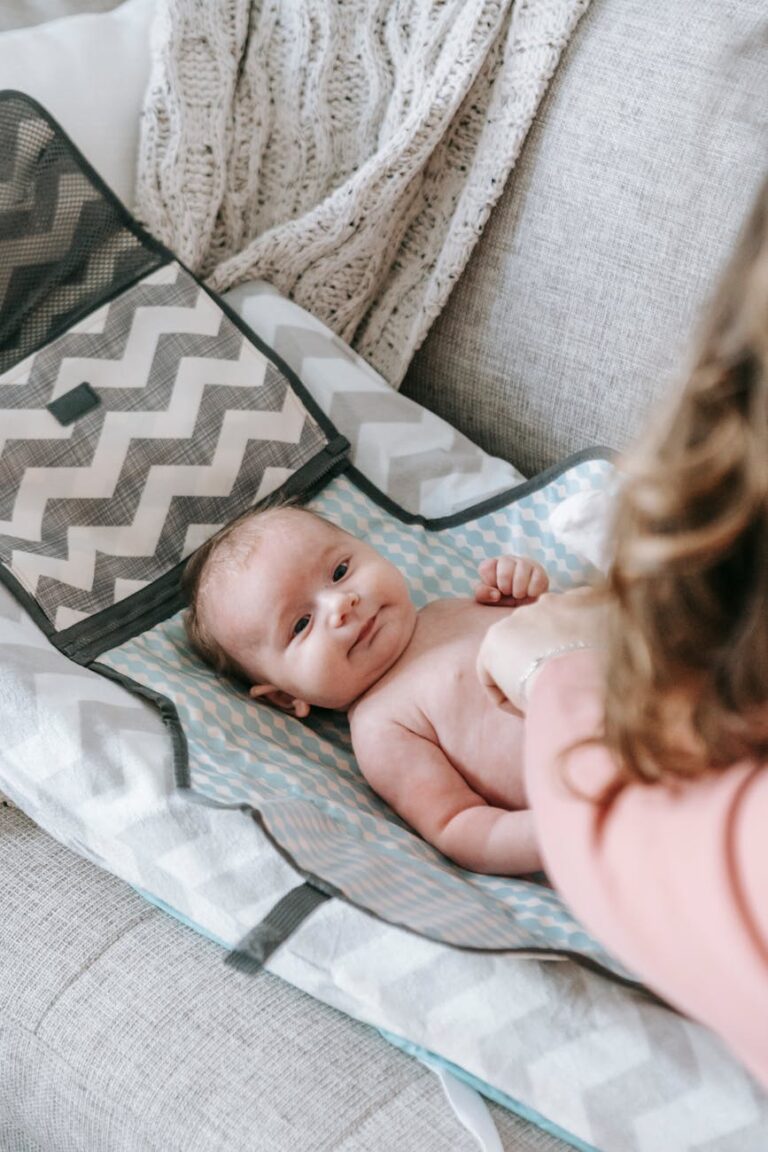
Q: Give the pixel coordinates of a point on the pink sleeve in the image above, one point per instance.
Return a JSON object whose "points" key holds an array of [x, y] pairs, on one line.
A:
{"points": [[674, 882]]}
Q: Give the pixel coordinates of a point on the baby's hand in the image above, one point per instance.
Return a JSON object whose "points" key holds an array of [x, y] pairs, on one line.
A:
{"points": [[510, 580]]}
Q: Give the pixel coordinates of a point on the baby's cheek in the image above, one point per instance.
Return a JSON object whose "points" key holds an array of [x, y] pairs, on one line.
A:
{"points": [[321, 671]]}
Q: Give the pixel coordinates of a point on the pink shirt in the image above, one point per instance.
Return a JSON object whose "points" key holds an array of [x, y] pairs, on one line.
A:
{"points": [[673, 881]]}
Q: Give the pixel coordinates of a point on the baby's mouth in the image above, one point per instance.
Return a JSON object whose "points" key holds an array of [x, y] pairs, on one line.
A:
{"points": [[365, 631]]}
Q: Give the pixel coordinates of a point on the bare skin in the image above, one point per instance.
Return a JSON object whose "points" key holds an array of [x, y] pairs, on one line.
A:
{"points": [[433, 744], [316, 617]]}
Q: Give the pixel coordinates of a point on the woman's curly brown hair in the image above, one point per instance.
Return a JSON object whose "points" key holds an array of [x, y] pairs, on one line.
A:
{"points": [[687, 683]]}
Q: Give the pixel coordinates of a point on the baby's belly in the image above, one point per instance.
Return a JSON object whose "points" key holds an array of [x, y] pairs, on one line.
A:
{"points": [[485, 745]]}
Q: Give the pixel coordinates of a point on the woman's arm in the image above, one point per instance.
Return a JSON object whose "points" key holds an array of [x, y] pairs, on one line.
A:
{"points": [[674, 882]]}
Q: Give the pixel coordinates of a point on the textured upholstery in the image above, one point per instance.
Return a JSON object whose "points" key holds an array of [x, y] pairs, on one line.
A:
{"points": [[577, 306], [23, 13], [122, 1031]]}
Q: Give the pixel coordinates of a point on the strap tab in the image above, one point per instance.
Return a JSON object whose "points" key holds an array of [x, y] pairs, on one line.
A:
{"points": [[470, 1110], [254, 950]]}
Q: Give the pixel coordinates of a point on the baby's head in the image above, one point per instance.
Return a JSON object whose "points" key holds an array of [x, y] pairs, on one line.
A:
{"points": [[303, 612]]}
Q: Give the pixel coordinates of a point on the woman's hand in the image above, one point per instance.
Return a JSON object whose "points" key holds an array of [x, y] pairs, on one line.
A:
{"points": [[510, 580], [515, 649]]}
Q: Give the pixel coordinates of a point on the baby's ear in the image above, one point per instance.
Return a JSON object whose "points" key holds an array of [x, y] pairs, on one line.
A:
{"points": [[282, 700]]}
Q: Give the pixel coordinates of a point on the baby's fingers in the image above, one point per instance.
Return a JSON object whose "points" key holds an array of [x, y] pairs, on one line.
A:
{"points": [[521, 581], [539, 582], [507, 576], [510, 580], [486, 570], [529, 580], [488, 592], [485, 594]]}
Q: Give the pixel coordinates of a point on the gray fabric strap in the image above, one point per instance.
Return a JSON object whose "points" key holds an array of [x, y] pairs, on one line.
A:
{"points": [[254, 950]]}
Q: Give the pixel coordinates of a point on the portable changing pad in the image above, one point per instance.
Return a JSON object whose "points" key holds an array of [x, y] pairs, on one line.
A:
{"points": [[144, 419], [299, 777], [138, 415]]}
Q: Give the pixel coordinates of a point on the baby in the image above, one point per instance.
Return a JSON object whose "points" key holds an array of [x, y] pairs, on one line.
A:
{"points": [[308, 615]]}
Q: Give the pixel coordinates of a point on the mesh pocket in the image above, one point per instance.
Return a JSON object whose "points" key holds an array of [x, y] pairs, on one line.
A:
{"points": [[64, 245], [136, 415]]}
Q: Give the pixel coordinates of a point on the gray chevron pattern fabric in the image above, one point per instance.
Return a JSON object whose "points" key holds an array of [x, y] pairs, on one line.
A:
{"points": [[192, 424], [417, 459]]}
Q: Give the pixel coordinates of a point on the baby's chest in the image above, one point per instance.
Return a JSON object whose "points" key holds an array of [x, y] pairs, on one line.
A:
{"points": [[482, 742]]}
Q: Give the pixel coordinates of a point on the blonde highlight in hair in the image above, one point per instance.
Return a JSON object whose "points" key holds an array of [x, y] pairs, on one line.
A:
{"points": [[687, 683]]}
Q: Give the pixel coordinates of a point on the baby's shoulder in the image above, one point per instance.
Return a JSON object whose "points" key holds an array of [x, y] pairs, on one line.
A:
{"points": [[378, 709], [384, 716]]}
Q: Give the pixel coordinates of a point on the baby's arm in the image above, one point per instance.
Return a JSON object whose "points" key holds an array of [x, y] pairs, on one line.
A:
{"points": [[510, 580], [416, 778]]}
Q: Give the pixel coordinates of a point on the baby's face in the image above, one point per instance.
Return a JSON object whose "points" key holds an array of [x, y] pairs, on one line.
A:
{"points": [[313, 611]]}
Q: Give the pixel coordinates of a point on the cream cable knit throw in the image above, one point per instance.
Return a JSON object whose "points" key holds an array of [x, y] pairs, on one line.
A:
{"points": [[348, 151]]}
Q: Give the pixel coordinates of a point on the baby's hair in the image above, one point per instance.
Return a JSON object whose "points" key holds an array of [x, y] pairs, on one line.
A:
{"points": [[232, 545], [690, 574]]}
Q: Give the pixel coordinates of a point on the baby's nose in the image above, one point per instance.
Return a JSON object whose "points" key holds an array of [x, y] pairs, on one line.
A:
{"points": [[341, 606]]}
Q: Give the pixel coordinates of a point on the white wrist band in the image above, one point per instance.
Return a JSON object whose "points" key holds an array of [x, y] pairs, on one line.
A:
{"points": [[534, 665]]}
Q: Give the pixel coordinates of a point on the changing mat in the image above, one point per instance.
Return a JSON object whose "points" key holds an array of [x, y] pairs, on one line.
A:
{"points": [[210, 419], [299, 778]]}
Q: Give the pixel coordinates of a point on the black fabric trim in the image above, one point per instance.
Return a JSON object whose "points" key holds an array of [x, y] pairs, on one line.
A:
{"points": [[27, 601], [533, 950], [168, 714], [142, 610], [297, 384], [483, 507]]}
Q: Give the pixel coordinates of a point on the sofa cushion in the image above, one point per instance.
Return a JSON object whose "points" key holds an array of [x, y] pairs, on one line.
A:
{"points": [[122, 1030], [576, 309], [101, 116], [22, 13]]}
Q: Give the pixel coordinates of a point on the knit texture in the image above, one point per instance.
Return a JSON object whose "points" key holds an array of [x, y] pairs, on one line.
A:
{"points": [[347, 151]]}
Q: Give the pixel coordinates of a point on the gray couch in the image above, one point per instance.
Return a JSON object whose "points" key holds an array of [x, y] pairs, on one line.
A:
{"points": [[121, 1030]]}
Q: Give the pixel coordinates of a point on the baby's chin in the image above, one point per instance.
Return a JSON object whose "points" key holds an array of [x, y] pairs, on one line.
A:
{"points": [[342, 702], [336, 703]]}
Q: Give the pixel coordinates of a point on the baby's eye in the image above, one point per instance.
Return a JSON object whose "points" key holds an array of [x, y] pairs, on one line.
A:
{"points": [[300, 625], [340, 571]]}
